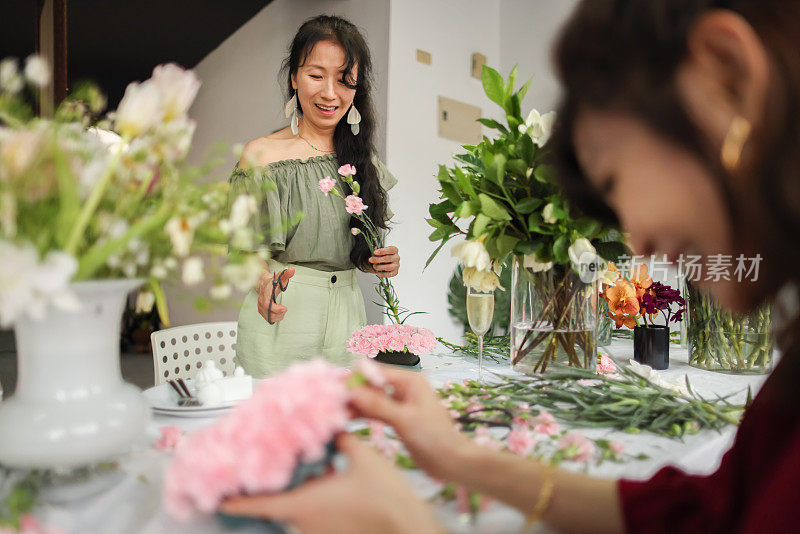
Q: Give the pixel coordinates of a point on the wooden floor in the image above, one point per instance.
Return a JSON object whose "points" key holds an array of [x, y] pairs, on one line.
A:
{"points": [[136, 368]]}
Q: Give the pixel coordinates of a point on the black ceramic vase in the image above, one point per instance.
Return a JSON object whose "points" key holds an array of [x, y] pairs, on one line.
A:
{"points": [[651, 346], [397, 357]]}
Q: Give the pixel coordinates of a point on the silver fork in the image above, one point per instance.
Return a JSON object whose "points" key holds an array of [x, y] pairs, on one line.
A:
{"points": [[185, 396]]}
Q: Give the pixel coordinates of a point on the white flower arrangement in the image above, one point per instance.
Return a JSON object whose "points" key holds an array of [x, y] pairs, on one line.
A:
{"points": [[82, 198]]}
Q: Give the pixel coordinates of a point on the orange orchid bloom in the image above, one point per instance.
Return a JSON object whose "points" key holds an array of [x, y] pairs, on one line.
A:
{"points": [[621, 320], [622, 298], [640, 279]]}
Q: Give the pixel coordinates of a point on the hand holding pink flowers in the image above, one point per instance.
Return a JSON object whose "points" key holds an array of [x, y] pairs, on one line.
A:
{"points": [[385, 261]]}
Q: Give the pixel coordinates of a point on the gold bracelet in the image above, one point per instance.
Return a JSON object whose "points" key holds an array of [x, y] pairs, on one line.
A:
{"points": [[545, 495]]}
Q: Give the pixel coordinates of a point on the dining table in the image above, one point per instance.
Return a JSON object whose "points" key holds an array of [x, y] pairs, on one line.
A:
{"points": [[128, 498]]}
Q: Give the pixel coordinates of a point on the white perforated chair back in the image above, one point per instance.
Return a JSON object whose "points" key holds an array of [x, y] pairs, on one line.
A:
{"points": [[181, 351]]}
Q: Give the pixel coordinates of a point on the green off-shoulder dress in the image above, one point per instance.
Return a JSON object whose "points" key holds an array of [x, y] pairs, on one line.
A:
{"points": [[324, 302]]}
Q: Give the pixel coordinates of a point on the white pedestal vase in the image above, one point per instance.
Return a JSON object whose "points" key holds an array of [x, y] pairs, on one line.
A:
{"points": [[71, 407]]}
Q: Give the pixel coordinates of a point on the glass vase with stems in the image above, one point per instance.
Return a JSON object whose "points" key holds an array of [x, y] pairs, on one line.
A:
{"points": [[728, 343], [553, 319]]}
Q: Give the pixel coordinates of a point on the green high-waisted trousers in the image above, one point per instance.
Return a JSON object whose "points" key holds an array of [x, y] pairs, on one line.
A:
{"points": [[324, 308]]}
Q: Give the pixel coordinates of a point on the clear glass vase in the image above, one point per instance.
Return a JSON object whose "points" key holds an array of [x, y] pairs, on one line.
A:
{"points": [[721, 341], [604, 325], [553, 319]]}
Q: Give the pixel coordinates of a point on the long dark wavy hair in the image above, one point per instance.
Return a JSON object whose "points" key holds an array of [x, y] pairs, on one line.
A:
{"points": [[623, 55], [357, 150]]}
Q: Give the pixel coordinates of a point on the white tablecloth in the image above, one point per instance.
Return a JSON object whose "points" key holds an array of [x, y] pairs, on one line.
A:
{"points": [[129, 501]]}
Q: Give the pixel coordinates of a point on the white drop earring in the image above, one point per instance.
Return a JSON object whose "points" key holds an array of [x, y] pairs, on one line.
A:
{"points": [[292, 110], [354, 120]]}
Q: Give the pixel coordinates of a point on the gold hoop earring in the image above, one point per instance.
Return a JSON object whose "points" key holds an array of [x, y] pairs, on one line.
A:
{"points": [[732, 146]]}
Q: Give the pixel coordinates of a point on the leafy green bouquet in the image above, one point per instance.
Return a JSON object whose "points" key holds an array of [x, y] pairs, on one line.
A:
{"points": [[505, 187]]}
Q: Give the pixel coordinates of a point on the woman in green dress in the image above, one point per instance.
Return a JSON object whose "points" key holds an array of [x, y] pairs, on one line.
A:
{"points": [[307, 301]]}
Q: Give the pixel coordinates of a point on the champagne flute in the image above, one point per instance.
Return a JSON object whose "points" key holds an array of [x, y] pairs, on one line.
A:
{"points": [[480, 310]]}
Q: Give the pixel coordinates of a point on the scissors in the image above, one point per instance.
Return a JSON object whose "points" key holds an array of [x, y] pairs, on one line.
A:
{"points": [[276, 283]]}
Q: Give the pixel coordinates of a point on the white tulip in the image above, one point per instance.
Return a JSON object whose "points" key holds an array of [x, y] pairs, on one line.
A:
{"points": [[178, 89], [539, 127], [140, 109], [531, 261], [37, 71], [192, 271], [145, 301], [10, 80], [547, 214], [242, 209], [472, 254], [480, 280]]}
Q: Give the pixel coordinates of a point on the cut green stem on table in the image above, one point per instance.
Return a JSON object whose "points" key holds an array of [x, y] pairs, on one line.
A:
{"points": [[625, 402]]}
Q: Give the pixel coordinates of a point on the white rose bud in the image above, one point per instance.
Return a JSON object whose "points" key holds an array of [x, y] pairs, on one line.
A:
{"points": [[547, 214], [582, 251], [539, 126], [472, 254]]}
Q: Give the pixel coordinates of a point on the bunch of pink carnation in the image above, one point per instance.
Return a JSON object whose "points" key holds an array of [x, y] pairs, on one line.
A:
{"points": [[256, 448], [373, 339]]}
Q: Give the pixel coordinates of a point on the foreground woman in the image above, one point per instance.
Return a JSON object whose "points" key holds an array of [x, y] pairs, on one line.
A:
{"points": [[328, 77], [681, 118]]}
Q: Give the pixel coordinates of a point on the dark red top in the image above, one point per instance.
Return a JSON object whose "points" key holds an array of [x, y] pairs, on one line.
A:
{"points": [[757, 486]]}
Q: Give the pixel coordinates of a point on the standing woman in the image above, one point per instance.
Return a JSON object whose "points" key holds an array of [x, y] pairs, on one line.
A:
{"points": [[307, 301]]}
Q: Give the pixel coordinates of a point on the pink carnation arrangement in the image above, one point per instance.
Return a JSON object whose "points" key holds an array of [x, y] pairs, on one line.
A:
{"points": [[373, 339], [291, 418]]}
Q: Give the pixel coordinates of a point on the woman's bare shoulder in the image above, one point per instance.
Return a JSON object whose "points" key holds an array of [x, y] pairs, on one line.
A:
{"points": [[268, 149]]}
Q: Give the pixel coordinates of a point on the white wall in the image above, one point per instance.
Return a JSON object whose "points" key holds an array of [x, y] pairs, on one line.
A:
{"points": [[242, 98], [451, 30], [527, 29], [508, 32]]}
